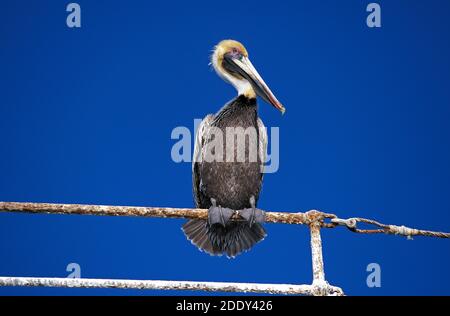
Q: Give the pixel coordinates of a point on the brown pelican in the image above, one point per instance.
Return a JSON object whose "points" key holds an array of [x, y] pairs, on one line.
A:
{"points": [[226, 187]]}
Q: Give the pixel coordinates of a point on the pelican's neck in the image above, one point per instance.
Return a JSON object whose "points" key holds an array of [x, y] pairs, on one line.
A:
{"points": [[242, 86]]}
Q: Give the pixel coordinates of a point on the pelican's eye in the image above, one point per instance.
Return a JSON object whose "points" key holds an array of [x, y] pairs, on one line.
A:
{"points": [[236, 53]]}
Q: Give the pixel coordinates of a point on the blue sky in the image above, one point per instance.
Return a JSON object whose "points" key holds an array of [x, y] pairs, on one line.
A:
{"points": [[86, 117]]}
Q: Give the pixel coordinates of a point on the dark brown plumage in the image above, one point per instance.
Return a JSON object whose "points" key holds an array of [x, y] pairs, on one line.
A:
{"points": [[231, 184]]}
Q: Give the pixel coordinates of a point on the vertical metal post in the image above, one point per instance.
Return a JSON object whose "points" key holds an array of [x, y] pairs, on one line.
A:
{"points": [[316, 254], [320, 285]]}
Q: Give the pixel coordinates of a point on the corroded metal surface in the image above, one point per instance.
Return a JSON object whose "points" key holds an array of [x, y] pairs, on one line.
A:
{"points": [[164, 212], [192, 213], [108, 210], [316, 253], [314, 289], [352, 224], [314, 219]]}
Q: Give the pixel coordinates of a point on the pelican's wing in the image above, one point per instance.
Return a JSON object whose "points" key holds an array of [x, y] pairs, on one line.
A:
{"points": [[262, 144], [200, 137]]}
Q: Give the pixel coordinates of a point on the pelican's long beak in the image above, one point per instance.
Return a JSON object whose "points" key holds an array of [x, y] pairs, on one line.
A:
{"points": [[245, 68]]}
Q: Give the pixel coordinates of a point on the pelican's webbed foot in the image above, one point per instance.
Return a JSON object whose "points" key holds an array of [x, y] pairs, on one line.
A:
{"points": [[252, 215], [219, 215]]}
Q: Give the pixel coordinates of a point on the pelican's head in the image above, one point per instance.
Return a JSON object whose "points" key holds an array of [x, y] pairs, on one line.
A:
{"points": [[230, 60]]}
